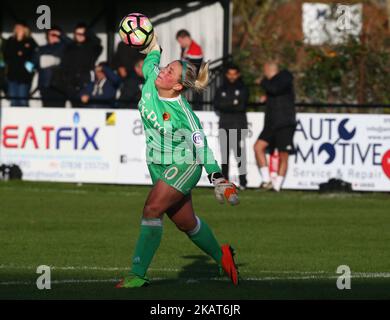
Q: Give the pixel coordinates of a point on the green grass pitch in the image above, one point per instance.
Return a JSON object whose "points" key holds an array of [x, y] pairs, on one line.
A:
{"points": [[288, 245]]}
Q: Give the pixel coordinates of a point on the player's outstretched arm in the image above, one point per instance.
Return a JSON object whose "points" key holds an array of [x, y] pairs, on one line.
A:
{"points": [[152, 60], [222, 187], [153, 45]]}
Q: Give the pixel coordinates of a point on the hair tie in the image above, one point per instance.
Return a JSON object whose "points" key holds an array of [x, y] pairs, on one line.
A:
{"points": [[184, 70]]}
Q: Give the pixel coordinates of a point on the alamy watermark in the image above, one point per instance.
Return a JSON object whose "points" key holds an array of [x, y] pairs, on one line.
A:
{"points": [[344, 280], [44, 19], [44, 280], [186, 146]]}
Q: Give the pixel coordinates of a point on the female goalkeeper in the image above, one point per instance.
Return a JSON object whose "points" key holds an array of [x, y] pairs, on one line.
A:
{"points": [[176, 152]]}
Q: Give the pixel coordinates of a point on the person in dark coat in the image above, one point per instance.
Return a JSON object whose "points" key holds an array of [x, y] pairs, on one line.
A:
{"points": [[125, 59], [279, 122], [47, 60], [101, 93], [2, 67], [78, 63], [231, 101], [131, 88], [18, 53]]}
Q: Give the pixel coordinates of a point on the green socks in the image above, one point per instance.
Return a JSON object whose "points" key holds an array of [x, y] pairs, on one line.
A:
{"points": [[150, 238], [147, 244], [203, 237]]}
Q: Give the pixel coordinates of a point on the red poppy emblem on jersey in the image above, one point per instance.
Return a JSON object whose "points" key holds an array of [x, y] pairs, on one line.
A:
{"points": [[166, 116]]}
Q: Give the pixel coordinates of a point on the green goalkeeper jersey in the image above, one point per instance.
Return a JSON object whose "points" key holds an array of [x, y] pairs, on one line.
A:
{"points": [[173, 132]]}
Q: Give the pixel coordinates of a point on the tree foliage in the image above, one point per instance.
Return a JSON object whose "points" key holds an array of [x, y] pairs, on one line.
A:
{"points": [[358, 70]]}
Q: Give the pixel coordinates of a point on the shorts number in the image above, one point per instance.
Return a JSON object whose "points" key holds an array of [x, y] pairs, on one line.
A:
{"points": [[171, 173]]}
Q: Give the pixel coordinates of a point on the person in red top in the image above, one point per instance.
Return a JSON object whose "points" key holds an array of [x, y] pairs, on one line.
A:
{"points": [[193, 53], [190, 50]]}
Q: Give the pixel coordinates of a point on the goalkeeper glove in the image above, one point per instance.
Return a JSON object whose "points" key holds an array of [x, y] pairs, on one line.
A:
{"points": [[224, 189], [153, 45]]}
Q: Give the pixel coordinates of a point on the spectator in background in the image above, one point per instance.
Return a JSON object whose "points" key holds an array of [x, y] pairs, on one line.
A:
{"points": [[79, 58], [279, 122], [125, 58], [2, 66], [101, 92], [231, 101], [192, 52], [18, 53], [131, 87], [47, 60]]}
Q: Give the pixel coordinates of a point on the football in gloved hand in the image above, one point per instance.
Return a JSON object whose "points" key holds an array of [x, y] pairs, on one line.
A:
{"points": [[224, 189]]}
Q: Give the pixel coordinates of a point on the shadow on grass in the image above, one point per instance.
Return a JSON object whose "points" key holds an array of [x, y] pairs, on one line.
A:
{"points": [[199, 266]]}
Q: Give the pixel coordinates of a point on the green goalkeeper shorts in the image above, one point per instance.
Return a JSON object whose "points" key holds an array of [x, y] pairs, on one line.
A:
{"points": [[183, 177]]}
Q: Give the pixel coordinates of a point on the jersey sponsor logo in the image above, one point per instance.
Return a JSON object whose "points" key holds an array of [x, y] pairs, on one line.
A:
{"points": [[151, 117], [197, 139]]}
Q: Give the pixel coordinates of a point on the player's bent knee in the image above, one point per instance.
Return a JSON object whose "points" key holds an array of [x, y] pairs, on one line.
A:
{"points": [[194, 228], [152, 211], [188, 226]]}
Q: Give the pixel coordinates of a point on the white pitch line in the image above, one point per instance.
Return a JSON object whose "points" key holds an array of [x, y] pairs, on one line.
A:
{"points": [[93, 268], [196, 280], [74, 191], [309, 274], [12, 283], [86, 268]]}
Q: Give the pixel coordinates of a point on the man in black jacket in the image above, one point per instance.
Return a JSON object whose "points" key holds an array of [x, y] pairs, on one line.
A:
{"points": [[2, 66], [77, 64], [47, 60], [279, 122], [231, 102]]}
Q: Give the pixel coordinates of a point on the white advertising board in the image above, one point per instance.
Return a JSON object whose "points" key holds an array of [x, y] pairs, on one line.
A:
{"points": [[108, 146]]}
